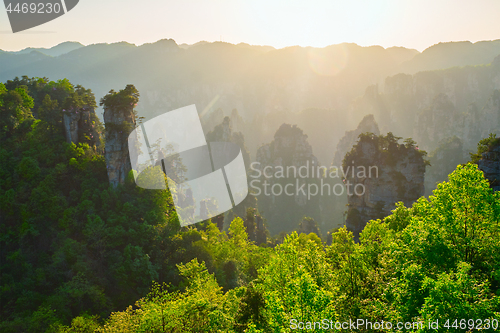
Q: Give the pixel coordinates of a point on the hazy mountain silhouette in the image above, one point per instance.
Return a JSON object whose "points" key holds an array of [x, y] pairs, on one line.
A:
{"points": [[259, 81], [253, 79], [54, 51], [452, 54]]}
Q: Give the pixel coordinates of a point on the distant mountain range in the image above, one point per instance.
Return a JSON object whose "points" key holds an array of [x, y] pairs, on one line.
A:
{"points": [[266, 85], [54, 51], [293, 78], [453, 54]]}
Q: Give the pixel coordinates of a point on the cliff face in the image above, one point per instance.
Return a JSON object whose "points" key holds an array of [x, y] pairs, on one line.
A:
{"points": [[289, 149], [225, 132], [444, 160], [436, 105], [380, 172], [490, 165], [120, 121], [367, 125], [81, 125]]}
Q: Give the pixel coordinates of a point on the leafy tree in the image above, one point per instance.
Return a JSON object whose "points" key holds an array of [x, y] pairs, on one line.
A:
{"points": [[484, 146]]}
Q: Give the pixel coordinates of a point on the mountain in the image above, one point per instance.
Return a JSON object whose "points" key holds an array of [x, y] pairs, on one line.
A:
{"points": [[446, 111], [311, 87], [398, 176], [452, 54], [54, 51], [253, 79]]}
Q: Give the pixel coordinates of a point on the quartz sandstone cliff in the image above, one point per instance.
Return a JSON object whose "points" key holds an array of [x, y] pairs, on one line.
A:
{"points": [[119, 122], [367, 125], [490, 165], [82, 125], [382, 172], [288, 149], [437, 105]]}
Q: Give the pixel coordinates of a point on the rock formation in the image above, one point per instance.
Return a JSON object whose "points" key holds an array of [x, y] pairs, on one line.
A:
{"points": [[490, 165], [444, 160], [119, 119], [119, 123], [81, 125], [307, 225], [367, 125], [291, 153], [436, 105], [288, 149], [224, 132], [378, 173]]}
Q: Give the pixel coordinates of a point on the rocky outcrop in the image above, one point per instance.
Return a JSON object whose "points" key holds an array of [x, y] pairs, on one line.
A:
{"points": [[224, 132], [436, 105], [307, 225], [288, 149], [490, 165], [119, 121], [287, 161], [367, 125], [379, 172], [81, 125], [443, 161]]}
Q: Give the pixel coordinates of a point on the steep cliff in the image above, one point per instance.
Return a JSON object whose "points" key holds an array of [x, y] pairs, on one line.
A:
{"points": [[489, 162], [436, 106], [120, 120], [280, 176], [444, 160], [82, 125], [378, 173], [367, 125], [289, 147], [224, 132]]}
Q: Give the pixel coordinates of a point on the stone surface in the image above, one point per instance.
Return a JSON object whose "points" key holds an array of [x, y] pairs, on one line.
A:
{"points": [[119, 123], [490, 165], [444, 160], [288, 149], [367, 125], [436, 105], [81, 125], [391, 175]]}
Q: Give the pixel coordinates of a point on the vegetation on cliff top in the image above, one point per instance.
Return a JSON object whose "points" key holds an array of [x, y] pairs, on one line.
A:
{"points": [[484, 146]]}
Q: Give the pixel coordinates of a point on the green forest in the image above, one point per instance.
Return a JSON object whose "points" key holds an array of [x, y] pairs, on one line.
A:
{"points": [[79, 255]]}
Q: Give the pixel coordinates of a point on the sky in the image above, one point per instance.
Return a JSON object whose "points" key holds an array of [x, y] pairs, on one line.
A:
{"points": [[414, 24]]}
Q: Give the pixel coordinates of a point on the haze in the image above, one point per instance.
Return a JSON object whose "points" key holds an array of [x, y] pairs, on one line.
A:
{"points": [[412, 24]]}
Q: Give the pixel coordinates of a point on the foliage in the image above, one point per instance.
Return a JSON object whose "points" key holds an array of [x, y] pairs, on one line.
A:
{"points": [[124, 99], [386, 149], [484, 146], [76, 253], [437, 259]]}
